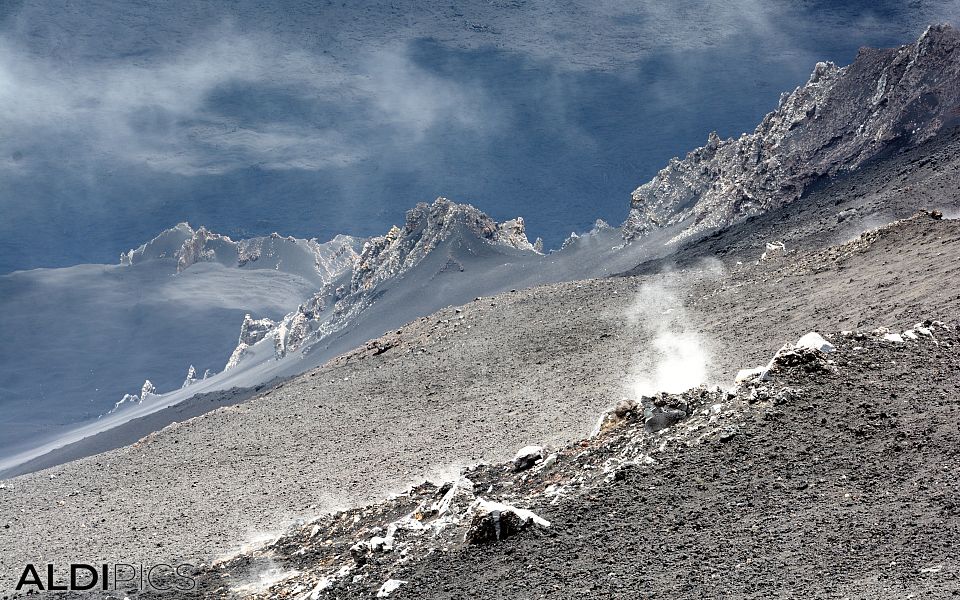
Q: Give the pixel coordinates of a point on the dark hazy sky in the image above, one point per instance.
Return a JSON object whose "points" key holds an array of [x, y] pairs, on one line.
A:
{"points": [[122, 118]]}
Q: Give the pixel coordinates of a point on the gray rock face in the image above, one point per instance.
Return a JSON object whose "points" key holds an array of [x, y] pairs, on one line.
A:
{"points": [[841, 118]]}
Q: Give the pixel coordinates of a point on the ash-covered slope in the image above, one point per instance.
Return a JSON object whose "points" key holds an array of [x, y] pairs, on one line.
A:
{"points": [[467, 385], [833, 475], [473, 383], [842, 118], [350, 291], [446, 254]]}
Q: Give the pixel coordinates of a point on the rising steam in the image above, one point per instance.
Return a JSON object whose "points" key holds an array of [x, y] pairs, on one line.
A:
{"points": [[672, 356]]}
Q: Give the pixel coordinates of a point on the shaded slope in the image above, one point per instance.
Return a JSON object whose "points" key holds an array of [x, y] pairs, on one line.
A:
{"points": [[453, 264], [837, 209], [844, 487]]}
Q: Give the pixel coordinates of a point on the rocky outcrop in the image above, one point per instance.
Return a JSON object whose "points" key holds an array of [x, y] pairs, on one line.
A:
{"points": [[191, 377], [841, 118], [494, 521], [574, 238], [165, 245], [527, 457], [427, 225], [147, 391], [381, 259], [312, 260], [251, 331], [199, 248]]}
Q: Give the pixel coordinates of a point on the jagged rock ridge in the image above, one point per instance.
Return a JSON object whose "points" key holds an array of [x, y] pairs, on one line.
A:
{"points": [[838, 120], [315, 261], [427, 225], [383, 258]]}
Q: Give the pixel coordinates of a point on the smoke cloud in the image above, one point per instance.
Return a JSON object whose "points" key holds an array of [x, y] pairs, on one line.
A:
{"points": [[672, 355]]}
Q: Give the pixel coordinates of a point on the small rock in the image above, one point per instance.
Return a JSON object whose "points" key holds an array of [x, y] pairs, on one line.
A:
{"points": [[526, 457], [815, 341], [846, 214], [658, 419], [774, 249], [550, 461], [728, 433], [360, 551]]}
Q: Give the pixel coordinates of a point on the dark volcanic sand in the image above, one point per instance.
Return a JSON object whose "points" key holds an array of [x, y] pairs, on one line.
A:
{"points": [[851, 490]]}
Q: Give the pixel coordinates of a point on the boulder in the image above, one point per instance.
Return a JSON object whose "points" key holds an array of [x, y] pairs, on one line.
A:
{"points": [[494, 521], [526, 457], [659, 418]]}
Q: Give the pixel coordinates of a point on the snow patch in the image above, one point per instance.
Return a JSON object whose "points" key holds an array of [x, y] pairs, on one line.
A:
{"points": [[481, 506], [815, 341], [389, 586], [748, 374]]}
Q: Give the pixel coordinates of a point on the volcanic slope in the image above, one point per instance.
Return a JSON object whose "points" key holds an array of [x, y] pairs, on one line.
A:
{"points": [[834, 476], [463, 386], [843, 120]]}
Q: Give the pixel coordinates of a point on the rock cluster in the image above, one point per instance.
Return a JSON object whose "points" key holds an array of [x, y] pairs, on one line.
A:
{"points": [[427, 225], [251, 331]]}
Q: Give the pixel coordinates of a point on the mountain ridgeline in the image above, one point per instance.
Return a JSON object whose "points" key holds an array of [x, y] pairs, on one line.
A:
{"points": [[353, 286], [841, 118], [885, 101]]}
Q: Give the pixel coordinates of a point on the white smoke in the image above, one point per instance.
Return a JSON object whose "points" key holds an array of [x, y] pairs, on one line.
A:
{"points": [[672, 356], [267, 574]]}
